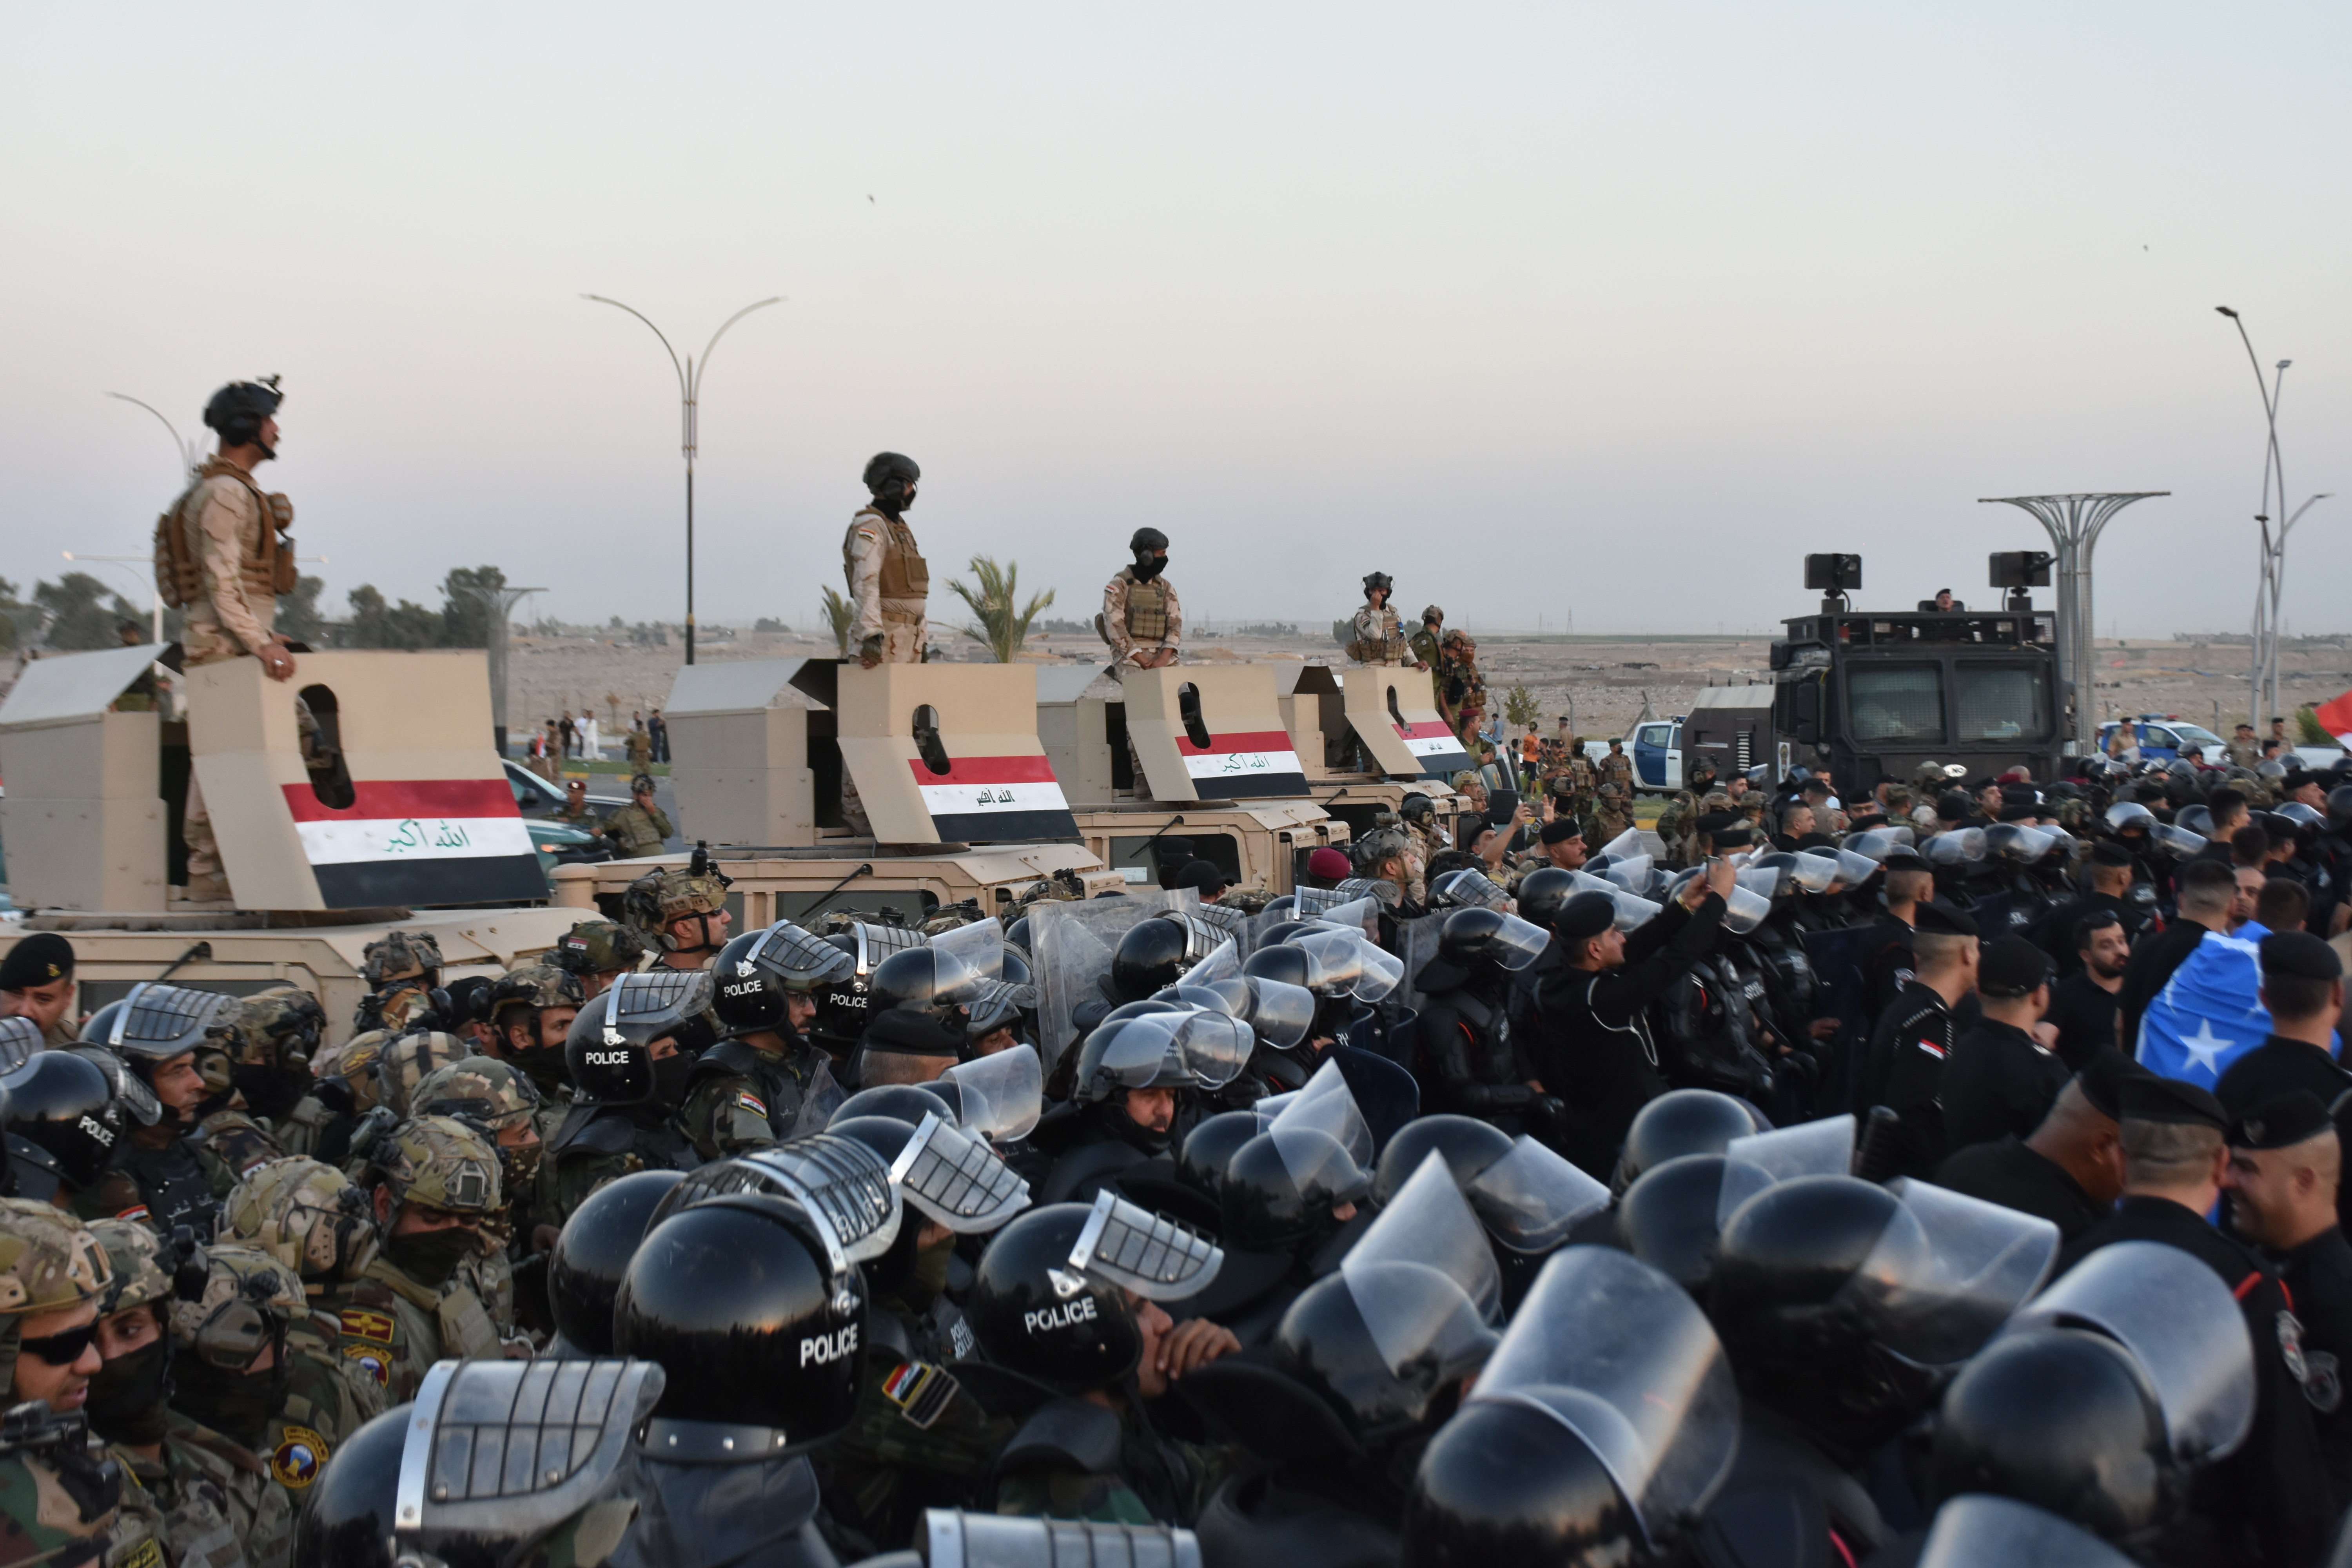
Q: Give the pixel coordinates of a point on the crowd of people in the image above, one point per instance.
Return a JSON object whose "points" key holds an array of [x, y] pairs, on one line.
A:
{"points": [[1825, 1188]]}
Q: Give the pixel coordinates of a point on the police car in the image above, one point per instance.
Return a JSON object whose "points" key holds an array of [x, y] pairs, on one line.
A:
{"points": [[2163, 738]]}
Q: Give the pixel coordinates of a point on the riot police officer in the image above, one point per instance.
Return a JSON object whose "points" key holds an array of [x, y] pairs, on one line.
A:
{"points": [[1481, 1068], [745, 1092], [157, 1031], [628, 1056]]}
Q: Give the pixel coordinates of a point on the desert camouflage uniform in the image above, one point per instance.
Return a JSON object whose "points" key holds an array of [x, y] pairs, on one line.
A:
{"points": [[315, 1221], [400, 967], [442, 1164], [51, 1502], [1139, 618], [1612, 812], [890, 587], [1461, 689], [284, 1027], [1379, 636], [640, 748]]}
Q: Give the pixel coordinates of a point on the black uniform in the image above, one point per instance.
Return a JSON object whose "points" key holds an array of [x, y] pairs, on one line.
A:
{"points": [[1904, 1070], [2278, 1064], [2318, 1278], [2275, 1489], [2009, 1173], [2085, 1012], [1886, 966], [1998, 1083], [2054, 933], [2153, 959], [1466, 1030], [1595, 1051], [711, 1509]]}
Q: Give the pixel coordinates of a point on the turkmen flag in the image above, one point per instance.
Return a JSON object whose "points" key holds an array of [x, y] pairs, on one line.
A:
{"points": [[2210, 1012]]}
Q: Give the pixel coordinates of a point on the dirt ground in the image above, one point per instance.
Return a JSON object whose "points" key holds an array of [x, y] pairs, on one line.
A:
{"points": [[1606, 682]]}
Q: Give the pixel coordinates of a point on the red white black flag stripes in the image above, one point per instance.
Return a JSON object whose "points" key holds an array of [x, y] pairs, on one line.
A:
{"points": [[418, 841]]}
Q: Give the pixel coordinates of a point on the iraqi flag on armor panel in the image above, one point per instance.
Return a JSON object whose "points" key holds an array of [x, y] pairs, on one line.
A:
{"points": [[1243, 766], [1436, 748], [418, 841], [981, 800]]}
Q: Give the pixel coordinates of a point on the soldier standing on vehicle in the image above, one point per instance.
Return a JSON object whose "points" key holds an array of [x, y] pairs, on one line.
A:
{"points": [[223, 555], [1426, 647], [1140, 618], [889, 583], [638, 828], [1462, 690], [1379, 634]]}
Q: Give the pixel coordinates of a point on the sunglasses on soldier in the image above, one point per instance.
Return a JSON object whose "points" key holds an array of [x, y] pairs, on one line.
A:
{"points": [[62, 1349]]}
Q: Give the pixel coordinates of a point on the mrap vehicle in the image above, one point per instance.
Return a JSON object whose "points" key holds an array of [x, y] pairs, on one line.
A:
{"points": [[1872, 694]]}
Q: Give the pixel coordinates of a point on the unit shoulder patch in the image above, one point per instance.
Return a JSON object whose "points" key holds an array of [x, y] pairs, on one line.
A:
{"points": [[921, 1390], [296, 1461]]}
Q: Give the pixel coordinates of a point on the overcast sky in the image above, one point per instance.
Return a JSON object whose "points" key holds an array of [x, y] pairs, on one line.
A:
{"points": [[1602, 312]]}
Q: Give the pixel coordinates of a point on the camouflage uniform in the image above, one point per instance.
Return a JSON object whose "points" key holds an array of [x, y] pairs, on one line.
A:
{"points": [[1612, 813], [1139, 618], [1678, 823], [282, 1029], [1461, 689], [60, 1504], [1379, 636], [409, 1061], [313, 1220], [890, 587], [400, 967], [496, 1096], [2248, 756], [597, 950], [654, 902], [637, 832], [442, 1164], [1425, 644], [640, 749]]}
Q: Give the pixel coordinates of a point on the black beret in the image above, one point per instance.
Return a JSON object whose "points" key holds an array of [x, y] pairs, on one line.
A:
{"points": [[1560, 829], [1204, 875], [2296, 952], [1954, 806], [2108, 852], [1905, 859], [37, 959], [2011, 967], [1713, 822], [1941, 919], [913, 1032], [1584, 916], [2281, 1121], [2156, 1098], [2019, 794], [2104, 1079]]}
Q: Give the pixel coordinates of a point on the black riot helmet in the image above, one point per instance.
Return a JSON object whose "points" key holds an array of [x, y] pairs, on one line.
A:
{"points": [[2339, 807], [1150, 955], [2063, 1419], [593, 1252], [906, 1102], [64, 1104], [1681, 1122], [756, 972], [1281, 1190], [237, 410], [1282, 961], [1482, 937], [410, 1492], [1326, 1341], [1505, 1483], [1670, 1218], [922, 978], [1050, 1298], [887, 472], [1543, 893], [1149, 547], [1209, 1149], [740, 1298], [1468, 1144], [609, 1051]]}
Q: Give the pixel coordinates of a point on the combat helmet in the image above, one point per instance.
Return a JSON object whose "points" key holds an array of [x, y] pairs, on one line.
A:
{"points": [[537, 986], [283, 1024], [306, 1214], [401, 955], [144, 1264], [237, 410], [495, 1096], [596, 947], [409, 1061], [246, 1303], [672, 893], [439, 1163], [47, 1260]]}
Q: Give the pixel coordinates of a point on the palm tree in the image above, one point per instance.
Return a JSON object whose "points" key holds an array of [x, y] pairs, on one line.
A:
{"points": [[841, 612], [1003, 630]]}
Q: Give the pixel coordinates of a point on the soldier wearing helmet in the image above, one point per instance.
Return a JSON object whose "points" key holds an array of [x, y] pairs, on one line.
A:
{"points": [[681, 910], [639, 828], [1140, 618], [889, 583], [434, 1181], [402, 968], [1379, 636], [181, 1341], [224, 555], [282, 1029], [746, 1091], [317, 1224], [498, 1098], [163, 1175], [594, 952], [58, 1493]]}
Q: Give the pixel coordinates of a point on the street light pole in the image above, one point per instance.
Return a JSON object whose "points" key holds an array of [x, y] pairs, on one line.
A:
{"points": [[192, 456], [2074, 523], [2264, 676], [496, 603], [689, 397]]}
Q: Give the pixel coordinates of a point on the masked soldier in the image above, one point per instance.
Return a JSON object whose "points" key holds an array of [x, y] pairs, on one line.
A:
{"points": [[165, 1357], [1461, 689], [638, 828], [498, 1099], [1678, 823], [1140, 618], [282, 1027], [436, 1180], [745, 1092], [223, 555], [1612, 811], [1379, 633], [594, 952], [889, 583], [681, 912], [402, 967], [59, 1493], [314, 1221]]}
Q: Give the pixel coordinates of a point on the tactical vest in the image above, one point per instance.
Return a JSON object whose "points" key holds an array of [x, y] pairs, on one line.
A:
{"points": [[269, 573], [1147, 610], [905, 583], [1388, 647], [175, 1187], [777, 1089]]}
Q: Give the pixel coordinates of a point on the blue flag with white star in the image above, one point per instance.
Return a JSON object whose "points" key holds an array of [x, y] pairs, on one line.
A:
{"points": [[2210, 1012]]}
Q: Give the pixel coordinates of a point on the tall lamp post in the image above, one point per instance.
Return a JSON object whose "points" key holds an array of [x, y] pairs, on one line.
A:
{"points": [[2074, 523], [2264, 680], [689, 396], [497, 601]]}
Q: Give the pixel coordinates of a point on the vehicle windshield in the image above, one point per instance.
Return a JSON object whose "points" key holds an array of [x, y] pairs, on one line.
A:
{"points": [[1896, 702], [2194, 735], [1997, 703]]}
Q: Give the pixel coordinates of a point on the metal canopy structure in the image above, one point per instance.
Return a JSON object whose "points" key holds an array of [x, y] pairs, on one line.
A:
{"points": [[2074, 523]]}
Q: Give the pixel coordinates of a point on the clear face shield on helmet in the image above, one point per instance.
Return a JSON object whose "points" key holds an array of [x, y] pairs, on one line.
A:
{"points": [[1631, 873], [1620, 1355], [1632, 910], [1345, 963], [1532, 1198], [1468, 889], [1224, 963], [1979, 1528], [1002, 1094], [1072, 943], [2179, 1322], [957, 1180], [1960, 847], [1853, 869], [1760, 1160], [1423, 1281], [1327, 1106], [1813, 873], [979, 947], [1516, 943], [1193, 1048], [20, 1040], [1749, 902], [1280, 1012], [1127, 1245], [2125, 813], [1625, 846], [844, 1185], [1878, 843], [129, 1089], [2018, 844], [2177, 842], [1948, 1271], [1358, 915]]}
